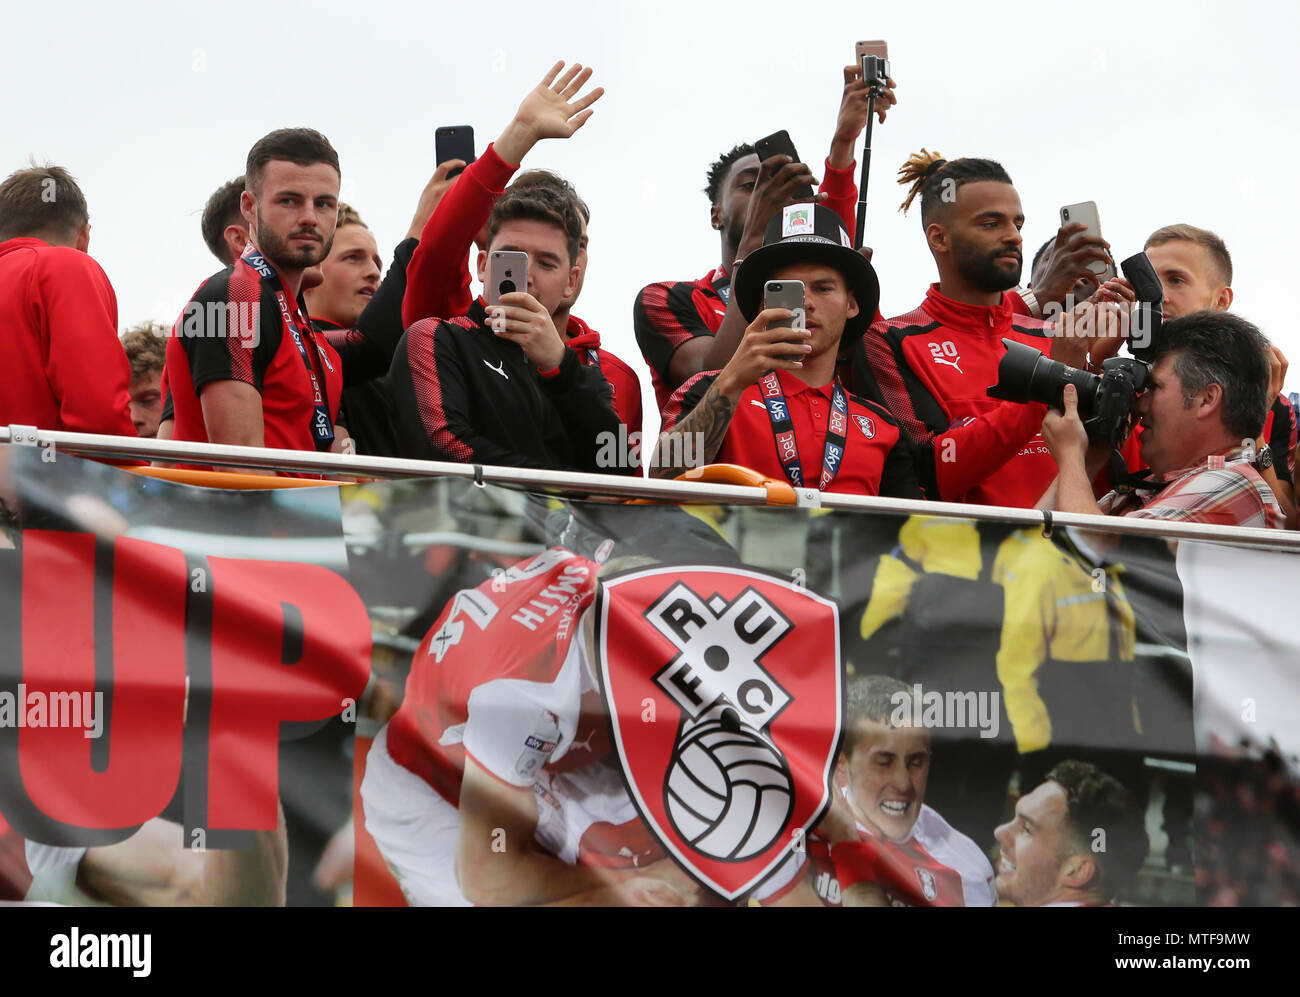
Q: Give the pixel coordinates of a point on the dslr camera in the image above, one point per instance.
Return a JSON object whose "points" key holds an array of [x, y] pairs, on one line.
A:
{"points": [[1105, 399]]}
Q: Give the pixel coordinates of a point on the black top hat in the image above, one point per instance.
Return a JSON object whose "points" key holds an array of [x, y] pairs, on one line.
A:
{"points": [[808, 233]]}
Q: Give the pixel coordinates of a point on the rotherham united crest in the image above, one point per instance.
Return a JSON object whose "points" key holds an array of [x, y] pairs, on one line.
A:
{"points": [[733, 767], [928, 888]]}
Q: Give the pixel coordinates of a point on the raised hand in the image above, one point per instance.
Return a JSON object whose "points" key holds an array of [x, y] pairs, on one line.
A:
{"points": [[852, 118], [552, 109], [778, 178], [769, 344], [429, 197], [520, 317], [1063, 431], [1277, 366], [1066, 263]]}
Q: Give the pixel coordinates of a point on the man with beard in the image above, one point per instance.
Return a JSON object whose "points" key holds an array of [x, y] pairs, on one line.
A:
{"points": [[244, 366], [932, 366]]}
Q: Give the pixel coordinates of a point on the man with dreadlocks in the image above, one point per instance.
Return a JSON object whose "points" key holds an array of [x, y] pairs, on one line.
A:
{"points": [[932, 366]]}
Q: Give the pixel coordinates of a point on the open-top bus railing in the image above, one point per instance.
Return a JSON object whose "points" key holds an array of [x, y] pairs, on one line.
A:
{"points": [[713, 483]]}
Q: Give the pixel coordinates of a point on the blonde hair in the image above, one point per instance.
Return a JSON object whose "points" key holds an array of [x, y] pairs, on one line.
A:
{"points": [[348, 216], [913, 173], [1204, 238]]}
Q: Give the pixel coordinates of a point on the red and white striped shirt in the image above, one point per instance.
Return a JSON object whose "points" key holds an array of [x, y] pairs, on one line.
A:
{"points": [[1222, 490]]}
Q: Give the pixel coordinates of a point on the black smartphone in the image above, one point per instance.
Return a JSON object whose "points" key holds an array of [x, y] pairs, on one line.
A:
{"points": [[779, 143], [454, 142]]}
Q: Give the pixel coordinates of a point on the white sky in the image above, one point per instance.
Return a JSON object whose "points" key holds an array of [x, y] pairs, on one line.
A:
{"points": [[1159, 112]]}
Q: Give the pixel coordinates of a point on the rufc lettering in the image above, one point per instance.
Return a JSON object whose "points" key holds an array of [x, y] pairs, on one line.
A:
{"points": [[720, 645], [269, 651], [752, 663]]}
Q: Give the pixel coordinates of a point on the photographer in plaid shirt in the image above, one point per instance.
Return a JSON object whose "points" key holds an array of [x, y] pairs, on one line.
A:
{"points": [[1204, 405]]}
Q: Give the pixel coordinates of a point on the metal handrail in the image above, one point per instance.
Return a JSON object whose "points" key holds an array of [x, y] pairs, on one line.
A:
{"points": [[615, 486]]}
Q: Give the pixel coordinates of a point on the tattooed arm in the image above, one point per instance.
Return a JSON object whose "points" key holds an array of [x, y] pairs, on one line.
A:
{"points": [[705, 426], [707, 423]]}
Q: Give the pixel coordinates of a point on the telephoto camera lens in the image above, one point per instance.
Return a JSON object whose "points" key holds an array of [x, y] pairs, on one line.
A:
{"points": [[1025, 375]]}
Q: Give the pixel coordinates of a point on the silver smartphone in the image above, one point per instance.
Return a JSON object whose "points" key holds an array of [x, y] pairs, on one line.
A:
{"points": [[1086, 212], [507, 271], [786, 294]]}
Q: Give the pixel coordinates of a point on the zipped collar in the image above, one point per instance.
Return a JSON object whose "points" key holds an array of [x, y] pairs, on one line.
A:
{"points": [[991, 320]]}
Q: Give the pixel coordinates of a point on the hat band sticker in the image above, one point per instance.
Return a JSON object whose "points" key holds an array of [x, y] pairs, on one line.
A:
{"points": [[796, 219]]}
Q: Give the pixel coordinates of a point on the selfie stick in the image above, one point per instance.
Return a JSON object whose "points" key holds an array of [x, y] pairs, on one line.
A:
{"points": [[874, 71]]}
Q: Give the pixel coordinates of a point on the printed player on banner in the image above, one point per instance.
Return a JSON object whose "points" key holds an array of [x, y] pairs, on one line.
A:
{"points": [[498, 781]]}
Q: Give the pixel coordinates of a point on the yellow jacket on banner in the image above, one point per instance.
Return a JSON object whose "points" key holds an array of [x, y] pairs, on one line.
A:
{"points": [[1059, 617]]}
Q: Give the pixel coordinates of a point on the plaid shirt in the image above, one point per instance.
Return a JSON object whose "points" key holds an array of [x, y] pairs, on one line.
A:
{"points": [[1222, 490]]}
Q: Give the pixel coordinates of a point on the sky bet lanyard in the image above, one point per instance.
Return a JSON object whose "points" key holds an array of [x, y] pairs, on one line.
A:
{"points": [[322, 428], [787, 449]]}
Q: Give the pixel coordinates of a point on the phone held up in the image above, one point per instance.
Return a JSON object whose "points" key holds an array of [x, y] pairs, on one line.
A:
{"points": [[454, 142], [1086, 212], [779, 143], [507, 271], [873, 57], [787, 294]]}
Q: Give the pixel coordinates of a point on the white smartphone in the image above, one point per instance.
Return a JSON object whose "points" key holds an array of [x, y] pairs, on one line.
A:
{"points": [[507, 271], [786, 294], [1086, 212]]}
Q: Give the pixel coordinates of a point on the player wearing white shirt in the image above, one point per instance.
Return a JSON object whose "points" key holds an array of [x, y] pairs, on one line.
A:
{"points": [[495, 782]]}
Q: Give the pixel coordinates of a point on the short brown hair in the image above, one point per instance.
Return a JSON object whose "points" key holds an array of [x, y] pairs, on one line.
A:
{"points": [[146, 347], [538, 202], [43, 200], [1096, 802], [1215, 246], [300, 146], [221, 211], [545, 178]]}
